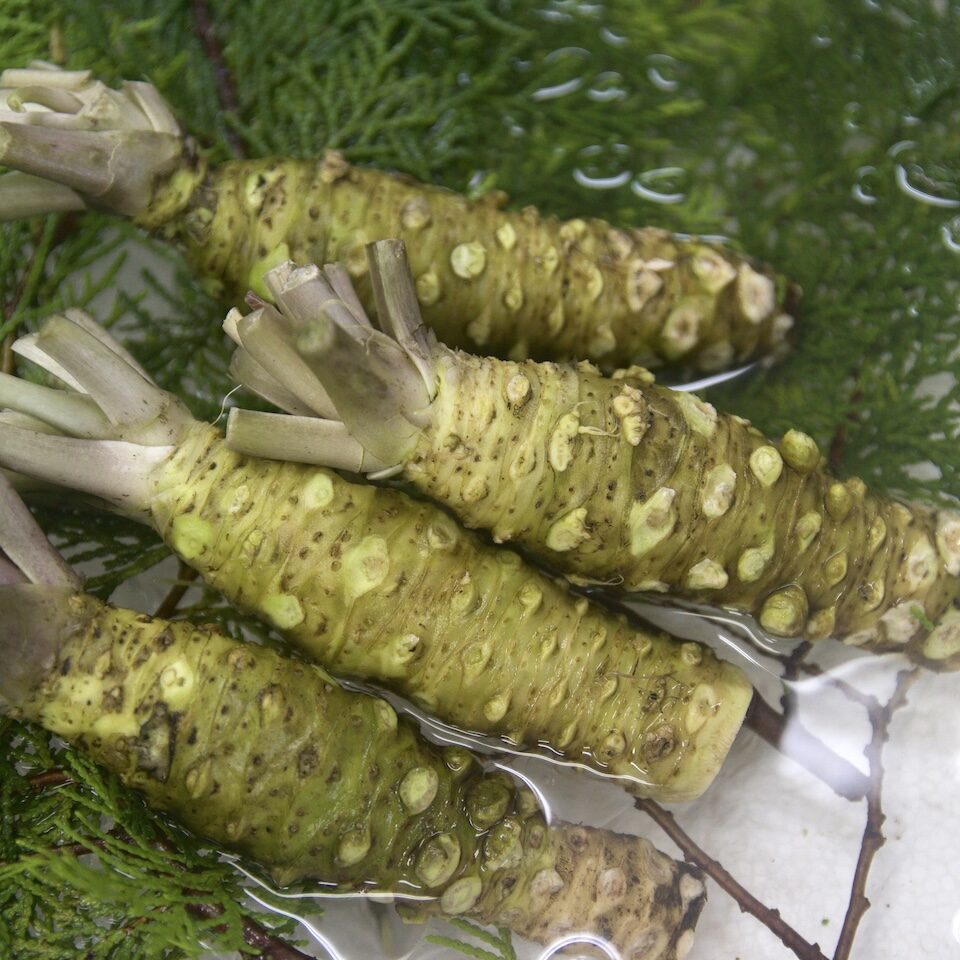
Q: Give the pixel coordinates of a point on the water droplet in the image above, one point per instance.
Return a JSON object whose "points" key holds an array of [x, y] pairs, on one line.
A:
{"points": [[607, 87], [566, 53], [916, 184], [950, 233], [662, 72], [661, 185], [614, 39], [863, 189], [556, 90], [515, 129], [852, 115], [559, 947], [555, 16], [601, 167], [601, 183], [900, 146]]}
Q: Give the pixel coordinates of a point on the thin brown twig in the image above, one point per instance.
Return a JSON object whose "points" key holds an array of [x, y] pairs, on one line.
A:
{"points": [[64, 227], [10, 306], [881, 716], [770, 724], [270, 946], [50, 778], [168, 605], [795, 741], [79, 849], [838, 442], [6, 360], [793, 665], [838, 683], [748, 903], [796, 660], [223, 78], [14, 300]]}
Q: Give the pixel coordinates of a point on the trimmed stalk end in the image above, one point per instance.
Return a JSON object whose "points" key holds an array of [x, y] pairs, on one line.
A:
{"points": [[276, 436], [122, 403], [37, 621], [25, 545], [119, 424], [22, 196], [380, 385], [40, 604], [102, 147]]}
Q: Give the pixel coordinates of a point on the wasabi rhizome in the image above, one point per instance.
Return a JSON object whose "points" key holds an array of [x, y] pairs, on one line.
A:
{"points": [[616, 480], [269, 757], [486, 278], [371, 583]]}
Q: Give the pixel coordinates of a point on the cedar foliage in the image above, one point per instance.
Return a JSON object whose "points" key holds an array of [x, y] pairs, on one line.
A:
{"points": [[784, 127]]}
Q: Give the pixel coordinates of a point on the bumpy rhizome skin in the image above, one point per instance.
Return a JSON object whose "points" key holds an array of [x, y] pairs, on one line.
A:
{"points": [[624, 483], [487, 278], [267, 756], [375, 585]]}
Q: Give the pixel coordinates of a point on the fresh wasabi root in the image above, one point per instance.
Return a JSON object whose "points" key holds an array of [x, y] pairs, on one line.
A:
{"points": [[370, 583], [624, 482], [510, 283], [269, 757]]}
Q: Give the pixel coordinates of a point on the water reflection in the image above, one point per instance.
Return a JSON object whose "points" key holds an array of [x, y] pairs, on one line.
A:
{"points": [[864, 190], [600, 167], [321, 939], [853, 115], [908, 175], [310, 891], [580, 940], [563, 54], [950, 232], [715, 379], [607, 87], [661, 185], [614, 39], [558, 89], [662, 72], [534, 788], [601, 183]]}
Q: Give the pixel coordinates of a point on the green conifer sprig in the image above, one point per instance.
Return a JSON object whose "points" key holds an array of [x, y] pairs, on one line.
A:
{"points": [[85, 866], [500, 942]]}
